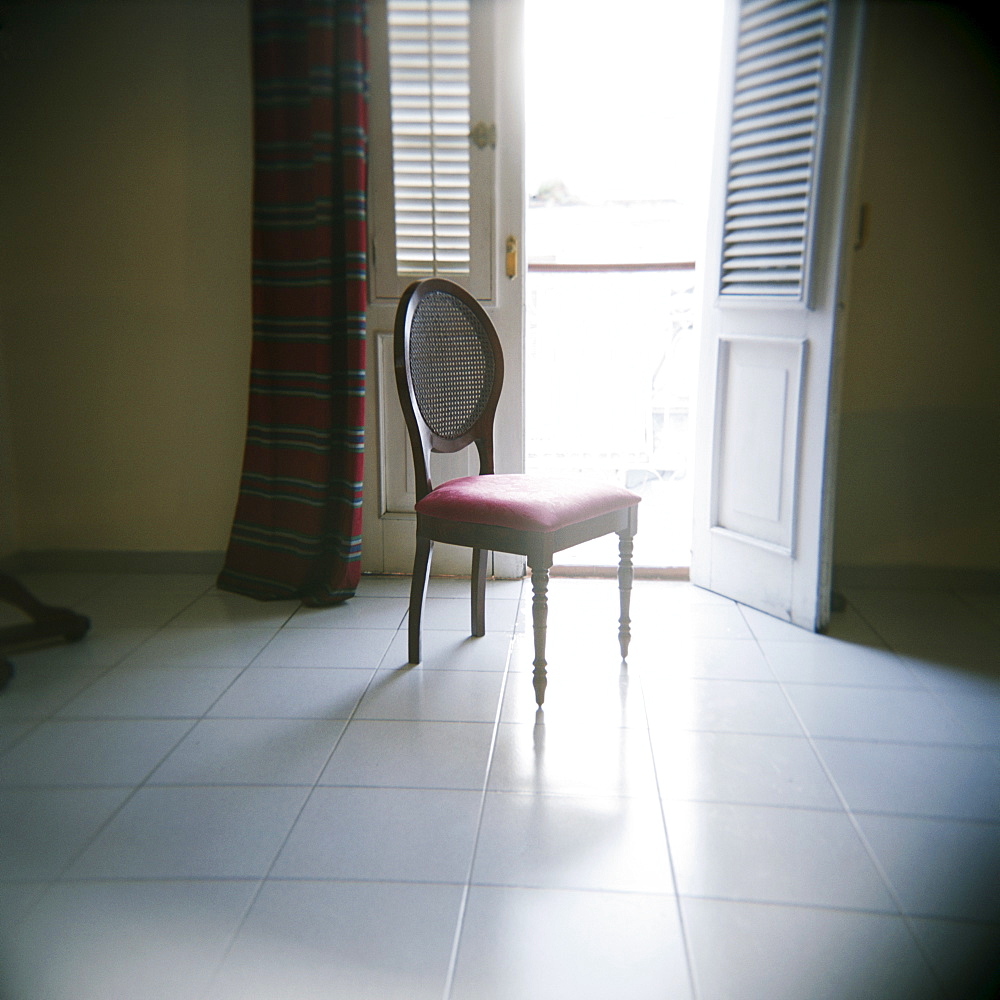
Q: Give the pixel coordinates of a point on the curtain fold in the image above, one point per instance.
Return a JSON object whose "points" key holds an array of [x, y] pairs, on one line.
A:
{"points": [[297, 528]]}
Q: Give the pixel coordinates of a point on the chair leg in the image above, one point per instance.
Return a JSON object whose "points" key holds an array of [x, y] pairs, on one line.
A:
{"points": [[418, 589], [479, 560], [624, 590], [539, 619], [46, 622]]}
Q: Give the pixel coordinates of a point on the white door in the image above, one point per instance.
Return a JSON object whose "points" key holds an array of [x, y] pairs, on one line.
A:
{"points": [[446, 197], [774, 301]]}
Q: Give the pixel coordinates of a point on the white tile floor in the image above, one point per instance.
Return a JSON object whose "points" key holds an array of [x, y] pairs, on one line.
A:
{"points": [[213, 798]]}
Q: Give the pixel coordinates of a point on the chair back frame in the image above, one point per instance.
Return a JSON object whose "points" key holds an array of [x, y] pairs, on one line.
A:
{"points": [[423, 439]]}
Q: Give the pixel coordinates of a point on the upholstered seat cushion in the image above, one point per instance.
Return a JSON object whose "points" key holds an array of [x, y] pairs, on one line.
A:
{"points": [[527, 503]]}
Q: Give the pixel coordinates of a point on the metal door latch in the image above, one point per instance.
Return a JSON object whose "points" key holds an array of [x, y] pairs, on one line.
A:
{"points": [[511, 261], [483, 135]]}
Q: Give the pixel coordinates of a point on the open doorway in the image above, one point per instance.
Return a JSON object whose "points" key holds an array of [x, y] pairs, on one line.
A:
{"points": [[620, 116]]}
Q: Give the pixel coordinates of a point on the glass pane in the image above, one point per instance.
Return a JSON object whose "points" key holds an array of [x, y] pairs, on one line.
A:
{"points": [[620, 119], [620, 415]]}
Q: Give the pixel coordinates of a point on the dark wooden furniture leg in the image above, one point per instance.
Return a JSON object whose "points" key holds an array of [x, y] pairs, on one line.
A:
{"points": [[624, 590], [418, 590], [539, 619], [479, 560], [47, 622]]}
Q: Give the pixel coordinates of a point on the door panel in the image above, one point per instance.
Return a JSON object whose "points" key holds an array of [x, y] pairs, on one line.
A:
{"points": [[774, 303], [497, 212], [759, 384]]}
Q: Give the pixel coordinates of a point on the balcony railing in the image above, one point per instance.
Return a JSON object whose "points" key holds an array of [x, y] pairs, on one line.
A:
{"points": [[610, 366]]}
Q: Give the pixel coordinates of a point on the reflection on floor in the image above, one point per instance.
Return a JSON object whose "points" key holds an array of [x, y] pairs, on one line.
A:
{"points": [[664, 543], [209, 797]]}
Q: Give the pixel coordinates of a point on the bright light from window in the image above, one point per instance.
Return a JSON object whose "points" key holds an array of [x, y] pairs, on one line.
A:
{"points": [[621, 97]]}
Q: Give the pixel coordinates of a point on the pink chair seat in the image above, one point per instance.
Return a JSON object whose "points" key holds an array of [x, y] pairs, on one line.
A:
{"points": [[526, 503]]}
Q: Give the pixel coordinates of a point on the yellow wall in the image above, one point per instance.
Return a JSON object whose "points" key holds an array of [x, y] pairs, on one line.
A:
{"points": [[125, 189], [919, 470]]}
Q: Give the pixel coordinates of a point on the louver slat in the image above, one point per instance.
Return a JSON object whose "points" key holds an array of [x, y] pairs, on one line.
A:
{"points": [[772, 147], [429, 65]]}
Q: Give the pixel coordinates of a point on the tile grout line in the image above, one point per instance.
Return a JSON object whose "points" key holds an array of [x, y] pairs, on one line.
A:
{"points": [[145, 782], [852, 819], [926, 687], [685, 938], [212, 977], [60, 877], [461, 939], [449, 980]]}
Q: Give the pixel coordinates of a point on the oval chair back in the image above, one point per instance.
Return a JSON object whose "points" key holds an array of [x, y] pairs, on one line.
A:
{"points": [[449, 373]]}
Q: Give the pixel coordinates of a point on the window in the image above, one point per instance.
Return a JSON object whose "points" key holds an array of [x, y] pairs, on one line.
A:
{"points": [[432, 210]]}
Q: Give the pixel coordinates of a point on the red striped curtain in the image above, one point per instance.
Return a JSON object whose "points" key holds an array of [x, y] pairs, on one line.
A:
{"points": [[297, 527]]}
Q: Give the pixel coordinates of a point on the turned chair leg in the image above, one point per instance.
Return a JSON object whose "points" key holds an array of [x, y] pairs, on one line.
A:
{"points": [[624, 590], [418, 590], [539, 619], [479, 560]]}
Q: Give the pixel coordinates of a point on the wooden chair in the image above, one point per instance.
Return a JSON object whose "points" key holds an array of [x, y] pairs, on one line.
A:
{"points": [[449, 372]]}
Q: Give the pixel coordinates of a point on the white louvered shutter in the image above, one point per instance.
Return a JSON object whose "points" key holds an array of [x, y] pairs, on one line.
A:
{"points": [[432, 189], [429, 100], [774, 143]]}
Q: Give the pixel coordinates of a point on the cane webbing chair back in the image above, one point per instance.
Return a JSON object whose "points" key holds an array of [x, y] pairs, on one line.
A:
{"points": [[452, 364], [449, 373]]}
